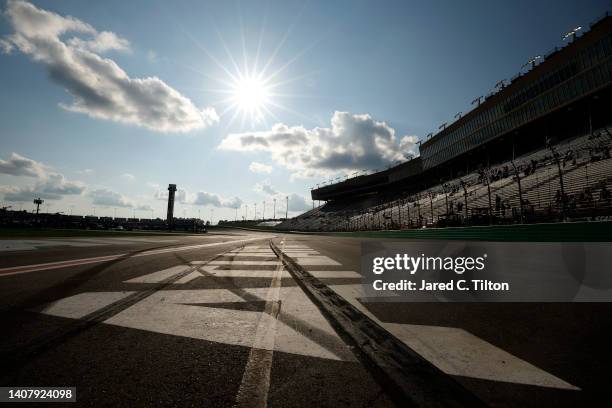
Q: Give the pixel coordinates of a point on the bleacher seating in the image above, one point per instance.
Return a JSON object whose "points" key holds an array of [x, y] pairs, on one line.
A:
{"points": [[583, 163]]}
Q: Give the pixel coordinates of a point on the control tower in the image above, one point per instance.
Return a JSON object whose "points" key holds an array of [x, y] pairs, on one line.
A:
{"points": [[170, 217]]}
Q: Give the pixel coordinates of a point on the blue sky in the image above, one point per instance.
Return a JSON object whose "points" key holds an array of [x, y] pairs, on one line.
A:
{"points": [[105, 108]]}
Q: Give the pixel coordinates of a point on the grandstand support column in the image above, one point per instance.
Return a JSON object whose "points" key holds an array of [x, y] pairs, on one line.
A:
{"points": [[590, 119], [408, 213], [444, 187], [488, 175], [561, 184], [431, 194], [520, 190], [399, 213], [417, 204], [465, 200]]}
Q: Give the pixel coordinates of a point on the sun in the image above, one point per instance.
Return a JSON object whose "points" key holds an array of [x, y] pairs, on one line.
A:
{"points": [[251, 95], [252, 86]]}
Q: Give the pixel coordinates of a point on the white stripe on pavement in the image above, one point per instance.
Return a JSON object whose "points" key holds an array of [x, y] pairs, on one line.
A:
{"points": [[188, 278], [224, 262], [253, 251], [14, 270], [258, 255], [78, 306], [241, 273], [458, 352], [316, 260], [334, 274], [159, 276]]}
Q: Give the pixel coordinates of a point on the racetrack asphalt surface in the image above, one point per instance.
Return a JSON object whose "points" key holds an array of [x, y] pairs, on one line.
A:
{"points": [[216, 320]]}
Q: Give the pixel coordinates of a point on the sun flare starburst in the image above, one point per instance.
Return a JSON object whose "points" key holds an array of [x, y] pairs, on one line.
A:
{"points": [[251, 95], [252, 86]]}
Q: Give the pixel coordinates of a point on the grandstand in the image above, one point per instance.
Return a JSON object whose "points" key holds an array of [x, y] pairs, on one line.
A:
{"points": [[537, 150]]}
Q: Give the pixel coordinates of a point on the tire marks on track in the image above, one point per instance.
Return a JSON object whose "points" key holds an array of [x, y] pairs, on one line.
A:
{"points": [[38, 346]]}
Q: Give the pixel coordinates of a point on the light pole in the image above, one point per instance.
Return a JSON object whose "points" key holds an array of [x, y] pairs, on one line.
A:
{"points": [[287, 209], [255, 215], [520, 190], [274, 215], [38, 201], [263, 214]]}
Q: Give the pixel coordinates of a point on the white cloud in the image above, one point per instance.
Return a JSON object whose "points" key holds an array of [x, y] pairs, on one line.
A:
{"points": [[52, 187], [98, 86], [85, 171], [257, 167], [6, 46], [128, 177], [101, 42], [265, 188], [109, 198], [18, 165], [144, 207], [215, 200], [48, 185], [297, 203], [353, 142]]}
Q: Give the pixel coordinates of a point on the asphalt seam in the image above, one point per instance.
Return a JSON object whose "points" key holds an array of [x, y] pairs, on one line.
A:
{"points": [[400, 371]]}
